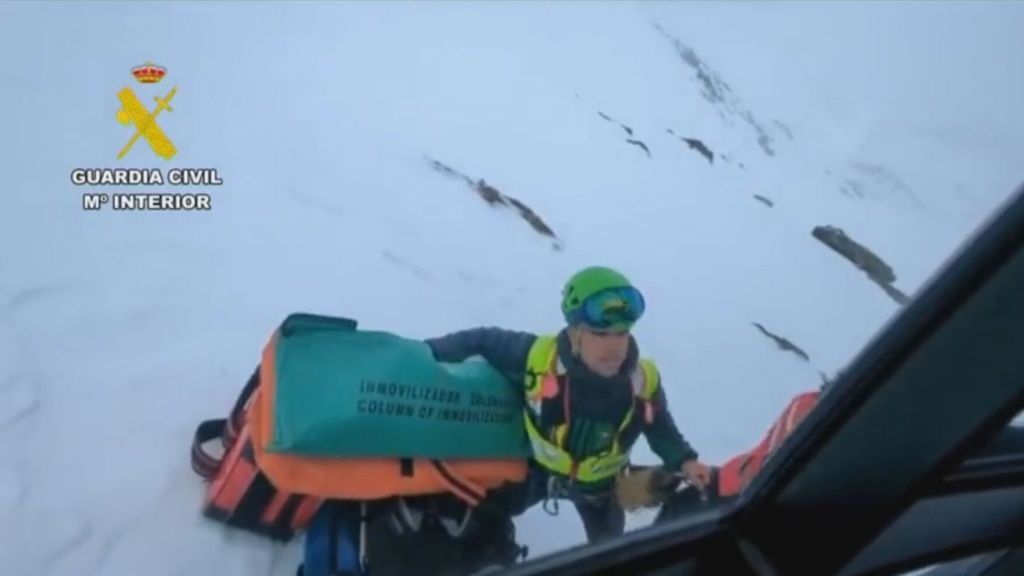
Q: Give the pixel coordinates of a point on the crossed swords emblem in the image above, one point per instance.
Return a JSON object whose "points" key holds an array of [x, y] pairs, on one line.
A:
{"points": [[132, 111]]}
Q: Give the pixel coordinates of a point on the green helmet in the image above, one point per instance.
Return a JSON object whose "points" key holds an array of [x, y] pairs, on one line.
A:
{"points": [[620, 306]]}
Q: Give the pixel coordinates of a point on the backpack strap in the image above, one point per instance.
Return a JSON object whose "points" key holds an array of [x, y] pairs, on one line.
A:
{"points": [[645, 381], [461, 487], [237, 418], [205, 464], [542, 370]]}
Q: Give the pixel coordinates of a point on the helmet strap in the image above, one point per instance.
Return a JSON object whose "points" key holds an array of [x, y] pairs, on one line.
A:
{"points": [[575, 336]]}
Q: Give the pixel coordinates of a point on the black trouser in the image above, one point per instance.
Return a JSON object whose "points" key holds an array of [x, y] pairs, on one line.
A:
{"points": [[602, 520], [601, 515]]}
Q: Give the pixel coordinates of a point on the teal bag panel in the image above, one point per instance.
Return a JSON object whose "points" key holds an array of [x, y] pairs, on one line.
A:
{"points": [[343, 392]]}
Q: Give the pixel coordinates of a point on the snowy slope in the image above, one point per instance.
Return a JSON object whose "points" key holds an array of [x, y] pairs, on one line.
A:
{"points": [[120, 331]]}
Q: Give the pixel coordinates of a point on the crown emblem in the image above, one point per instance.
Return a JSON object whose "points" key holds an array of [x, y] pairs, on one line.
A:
{"points": [[149, 73]]}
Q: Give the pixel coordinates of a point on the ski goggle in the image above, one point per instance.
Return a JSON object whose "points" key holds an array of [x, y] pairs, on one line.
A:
{"points": [[612, 309]]}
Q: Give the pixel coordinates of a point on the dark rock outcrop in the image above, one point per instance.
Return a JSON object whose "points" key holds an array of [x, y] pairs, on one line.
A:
{"points": [[783, 343], [896, 294], [862, 180], [717, 92], [877, 270], [858, 254], [699, 146], [495, 197], [451, 172], [530, 216], [639, 144], [882, 182], [784, 129], [628, 130], [852, 188]]}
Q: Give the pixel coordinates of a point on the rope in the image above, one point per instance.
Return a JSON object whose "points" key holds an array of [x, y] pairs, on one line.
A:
{"points": [[553, 491]]}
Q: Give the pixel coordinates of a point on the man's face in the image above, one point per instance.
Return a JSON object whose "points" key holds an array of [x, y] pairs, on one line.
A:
{"points": [[603, 352]]}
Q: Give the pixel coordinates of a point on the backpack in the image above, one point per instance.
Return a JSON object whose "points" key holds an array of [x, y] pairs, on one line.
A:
{"points": [[239, 494], [327, 343], [276, 493], [739, 470]]}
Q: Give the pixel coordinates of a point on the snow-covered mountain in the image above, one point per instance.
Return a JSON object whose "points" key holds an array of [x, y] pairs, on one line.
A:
{"points": [[430, 167]]}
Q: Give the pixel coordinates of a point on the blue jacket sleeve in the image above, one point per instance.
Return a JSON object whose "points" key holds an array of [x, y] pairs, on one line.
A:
{"points": [[506, 350], [664, 437]]}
